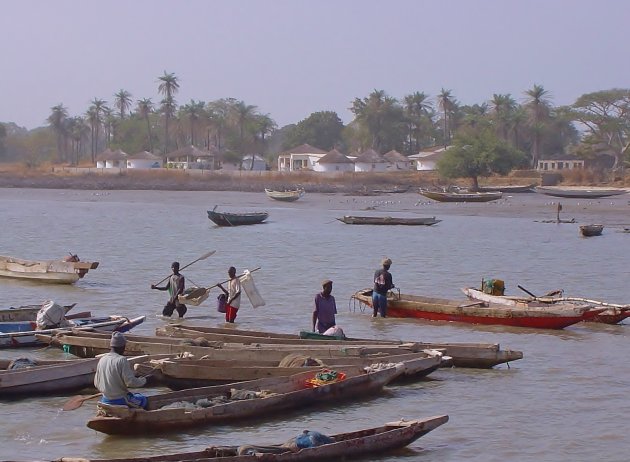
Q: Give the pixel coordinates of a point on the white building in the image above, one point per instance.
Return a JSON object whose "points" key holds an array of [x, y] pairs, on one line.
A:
{"points": [[396, 161], [370, 161], [191, 157], [111, 159], [556, 165], [144, 160], [260, 164], [303, 157], [334, 161], [427, 158]]}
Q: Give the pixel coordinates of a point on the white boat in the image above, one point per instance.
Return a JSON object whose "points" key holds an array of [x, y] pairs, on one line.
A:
{"points": [[51, 271], [25, 313], [285, 196]]}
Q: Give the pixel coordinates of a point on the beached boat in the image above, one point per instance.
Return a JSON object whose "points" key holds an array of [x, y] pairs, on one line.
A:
{"points": [[24, 333], [50, 271], [242, 400], [612, 314], [591, 230], [394, 190], [473, 355], [88, 344], [462, 196], [366, 442], [509, 189], [236, 219], [580, 192], [25, 312], [478, 312], [372, 220], [285, 196], [185, 372]]}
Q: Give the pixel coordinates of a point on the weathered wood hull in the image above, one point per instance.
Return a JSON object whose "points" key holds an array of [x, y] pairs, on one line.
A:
{"points": [[284, 196], [579, 193], [413, 221], [283, 393], [365, 442], [50, 271], [237, 219], [591, 230], [24, 313], [437, 309], [462, 197]]}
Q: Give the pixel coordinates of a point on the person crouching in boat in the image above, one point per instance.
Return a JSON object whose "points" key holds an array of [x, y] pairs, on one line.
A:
{"points": [[114, 377]]}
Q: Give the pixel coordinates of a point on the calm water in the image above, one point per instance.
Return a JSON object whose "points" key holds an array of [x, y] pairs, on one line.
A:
{"points": [[566, 400]]}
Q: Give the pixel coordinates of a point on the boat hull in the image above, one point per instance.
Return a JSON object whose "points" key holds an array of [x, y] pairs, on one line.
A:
{"points": [[579, 193], [357, 220], [24, 313], [591, 230], [284, 196], [48, 271], [237, 219], [462, 197]]}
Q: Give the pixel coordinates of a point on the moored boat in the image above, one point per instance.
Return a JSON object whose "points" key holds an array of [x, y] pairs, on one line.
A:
{"points": [[236, 219], [286, 195], [591, 230], [67, 271], [509, 189], [580, 192], [238, 401], [462, 196], [366, 442], [373, 220], [25, 312], [478, 312]]}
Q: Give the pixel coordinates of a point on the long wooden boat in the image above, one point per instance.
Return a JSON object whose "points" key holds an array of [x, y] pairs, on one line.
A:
{"points": [[25, 312], [591, 230], [372, 220], [366, 442], [473, 355], [580, 193], [478, 312], [612, 314], [462, 197], [184, 372], [509, 189], [236, 219], [237, 401], [285, 196], [51, 271], [24, 333]]}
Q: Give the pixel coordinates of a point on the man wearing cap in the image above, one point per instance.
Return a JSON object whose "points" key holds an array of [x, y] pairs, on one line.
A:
{"points": [[325, 308], [382, 284], [175, 286], [114, 376]]}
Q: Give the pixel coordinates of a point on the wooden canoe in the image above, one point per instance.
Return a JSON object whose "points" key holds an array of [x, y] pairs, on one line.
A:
{"points": [[462, 197], [580, 193], [612, 314], [51, 271], [278, 394], [478, 312], [236, 219], [373, 220], [285, 196], [367, 442], [180, 373], [591, 230], [25, 313]]}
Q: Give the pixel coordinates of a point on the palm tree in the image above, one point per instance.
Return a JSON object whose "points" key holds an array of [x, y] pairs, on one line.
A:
{"points": [[448, 104], [537, 106], [56, 121], [382, 117], [94, 117], [168, 87], [145, 108], [503, 107], [194, 111], [122, 101], [417, 110]]}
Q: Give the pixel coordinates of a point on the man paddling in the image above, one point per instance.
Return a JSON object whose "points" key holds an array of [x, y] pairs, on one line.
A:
{"points": [[114, 376]]}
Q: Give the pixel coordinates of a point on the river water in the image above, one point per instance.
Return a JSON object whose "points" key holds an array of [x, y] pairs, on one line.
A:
{"points": [[566, 400]]}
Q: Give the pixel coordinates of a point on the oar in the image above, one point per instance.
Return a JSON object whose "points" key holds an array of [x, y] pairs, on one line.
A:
{"points": [[203, 257], [226, 281], [526, 291]]}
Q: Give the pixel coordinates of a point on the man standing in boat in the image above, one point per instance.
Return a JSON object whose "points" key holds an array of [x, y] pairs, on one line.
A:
{"points": [[233, 293], [325, 308], [114, 376], [382, 284], [175, 286]]}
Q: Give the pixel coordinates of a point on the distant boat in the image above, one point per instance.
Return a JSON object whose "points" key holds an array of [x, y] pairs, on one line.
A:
{"points": [[580, 193], [67, 271], [509, 188], [591, 230], [356, 220], [285, 196], [25, 313], [461, 196], [394, 190], [236, 219]]}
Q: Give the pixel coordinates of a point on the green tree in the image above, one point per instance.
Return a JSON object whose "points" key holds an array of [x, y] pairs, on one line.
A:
{"points": [[320, 129], [168, 87], [122, 101], [56, 122], [503, 107], [538, 109], [194, 111], [448, 105], [145, 109], [383, 118], [478, 152], [419, 118], [95, 119]]}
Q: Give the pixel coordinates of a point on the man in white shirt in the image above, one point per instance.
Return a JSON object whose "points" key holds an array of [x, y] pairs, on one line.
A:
{"points": [[114, 376], [233, 293]]}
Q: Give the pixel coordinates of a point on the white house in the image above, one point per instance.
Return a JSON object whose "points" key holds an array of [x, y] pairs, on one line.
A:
{"points": [[427, 158], [111, 159], [370, 161], [334, 161], [191, 157], [144, 160], [260, 164], [396, 161], [556, 165], [303, 157]]}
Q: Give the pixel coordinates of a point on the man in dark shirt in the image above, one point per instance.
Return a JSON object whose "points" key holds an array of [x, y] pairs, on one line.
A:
{"points": [[325, 308], [175, 287], [382, 284]]}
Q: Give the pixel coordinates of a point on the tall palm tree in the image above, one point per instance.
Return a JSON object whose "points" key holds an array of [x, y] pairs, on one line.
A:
{"points": [[168, 87], [145, 108], [538, 108], [447, 104], [243, 114], [503, 107], [95, 118], [417, 110], [56, 121], [122, 101], [194, 111]]}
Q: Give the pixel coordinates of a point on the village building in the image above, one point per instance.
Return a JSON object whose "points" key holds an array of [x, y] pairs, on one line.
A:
{"points": [[111, 159], [303, 157], [396, 161], [144, 160], [191, 157], [334, 161], [427, 158], [370, 161], [557, 165]]}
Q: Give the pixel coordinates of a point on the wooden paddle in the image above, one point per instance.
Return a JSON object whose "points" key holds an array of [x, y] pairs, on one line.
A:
{"points": [[203, 257], [77, 401]]}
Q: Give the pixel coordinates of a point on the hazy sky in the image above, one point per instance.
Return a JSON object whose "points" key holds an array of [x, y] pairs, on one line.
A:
{"points": [[294, 57]]}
